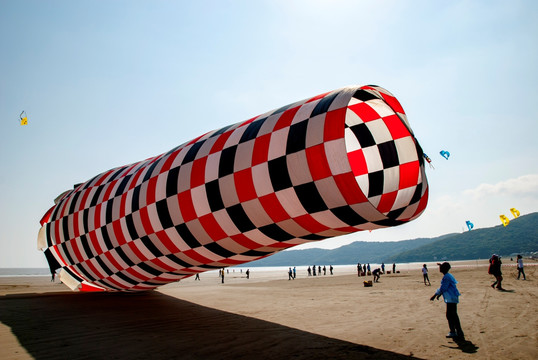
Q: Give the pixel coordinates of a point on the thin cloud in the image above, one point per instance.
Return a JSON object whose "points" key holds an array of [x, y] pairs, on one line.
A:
{"points": [[524, 185]]}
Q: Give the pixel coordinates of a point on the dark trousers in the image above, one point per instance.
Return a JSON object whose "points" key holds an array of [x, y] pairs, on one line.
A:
{"points": [[519, 272], [453, 319]]}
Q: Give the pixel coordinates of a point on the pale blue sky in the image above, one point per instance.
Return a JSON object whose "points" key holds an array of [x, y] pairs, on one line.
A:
{"points": [[107, 83]]}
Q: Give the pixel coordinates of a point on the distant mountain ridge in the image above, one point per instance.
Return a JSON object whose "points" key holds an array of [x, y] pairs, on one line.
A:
{"points": [[520, 236]]}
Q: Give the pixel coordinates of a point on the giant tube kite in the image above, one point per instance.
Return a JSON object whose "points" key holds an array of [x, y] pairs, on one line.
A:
{"points": [[337, 163]]}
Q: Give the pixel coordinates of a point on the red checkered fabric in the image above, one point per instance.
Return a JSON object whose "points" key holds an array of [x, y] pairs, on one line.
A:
{"points": [[330, 165]]}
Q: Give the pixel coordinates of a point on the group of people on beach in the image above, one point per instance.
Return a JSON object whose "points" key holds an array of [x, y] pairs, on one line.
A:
{"points": [[312, 272], [447, 289], [495, 270], [221, 274], [365, 269], [451, 294]]}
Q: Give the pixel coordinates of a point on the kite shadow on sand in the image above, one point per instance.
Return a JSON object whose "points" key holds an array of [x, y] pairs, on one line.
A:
{"points": [[154, 325]]}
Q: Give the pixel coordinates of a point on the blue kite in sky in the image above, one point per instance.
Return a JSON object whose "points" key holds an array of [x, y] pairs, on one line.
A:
{"points": [[470, 225]]}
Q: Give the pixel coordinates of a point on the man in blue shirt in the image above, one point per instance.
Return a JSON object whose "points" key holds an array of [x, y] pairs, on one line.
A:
{"points": [[451, 296]]}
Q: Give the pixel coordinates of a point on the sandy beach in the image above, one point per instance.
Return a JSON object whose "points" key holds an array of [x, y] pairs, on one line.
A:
{"points": [[271, 317]]}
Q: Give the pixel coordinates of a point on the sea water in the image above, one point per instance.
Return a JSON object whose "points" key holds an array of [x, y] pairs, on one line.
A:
{"points": [[337, 269], [4, 272]]}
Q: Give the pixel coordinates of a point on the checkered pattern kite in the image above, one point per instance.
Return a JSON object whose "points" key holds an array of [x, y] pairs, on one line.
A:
{"points": [[330, 165]]}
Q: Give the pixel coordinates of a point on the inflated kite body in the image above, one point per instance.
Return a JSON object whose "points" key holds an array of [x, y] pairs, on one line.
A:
{"points": [[330, 165]]}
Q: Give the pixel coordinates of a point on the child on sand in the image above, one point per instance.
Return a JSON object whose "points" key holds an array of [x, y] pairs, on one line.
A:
{"points": [[425, 274], [520, 267], [451, 296]]}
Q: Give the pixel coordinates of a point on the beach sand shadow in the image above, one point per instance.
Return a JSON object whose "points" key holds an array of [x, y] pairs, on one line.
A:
{"points": [[156, 326], [465, 346]]}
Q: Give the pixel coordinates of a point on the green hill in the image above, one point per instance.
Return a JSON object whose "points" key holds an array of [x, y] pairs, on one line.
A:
{"points": [[359, 251], [520, 236]]}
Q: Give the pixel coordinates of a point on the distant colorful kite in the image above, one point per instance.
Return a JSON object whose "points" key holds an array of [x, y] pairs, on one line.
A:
{"points": [[428, 160], [23, 119], [470, 225], [334, 164], [514, 212], [504, 220], [445, 154]]}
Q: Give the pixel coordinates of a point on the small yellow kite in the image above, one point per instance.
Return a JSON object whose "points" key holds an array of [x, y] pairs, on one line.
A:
{"points": [[24, 119]]}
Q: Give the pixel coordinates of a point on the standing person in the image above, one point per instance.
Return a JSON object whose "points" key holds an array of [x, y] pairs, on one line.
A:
{"points": [[368, 267], [425, 274], [331, 269], [314, 270], [324, 270], [520, 267], [394, 268], [495, 270], [383, 267], [319, 270], [309, 271], [248, 273], [359, 269], [294, 272], [222, 273], [451, 296], [364, 268]]}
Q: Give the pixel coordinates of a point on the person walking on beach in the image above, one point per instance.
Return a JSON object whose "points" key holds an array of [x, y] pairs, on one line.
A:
{"points": [[294, 272], [248, 273], [425, 274], [520, 267], [451, 296], [197, 277], [222, 275], [495, 270], [290, 274], [309, 271]]}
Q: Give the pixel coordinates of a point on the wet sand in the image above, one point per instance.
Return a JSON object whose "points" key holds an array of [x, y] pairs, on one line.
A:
{"points": [[271, 317]]}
